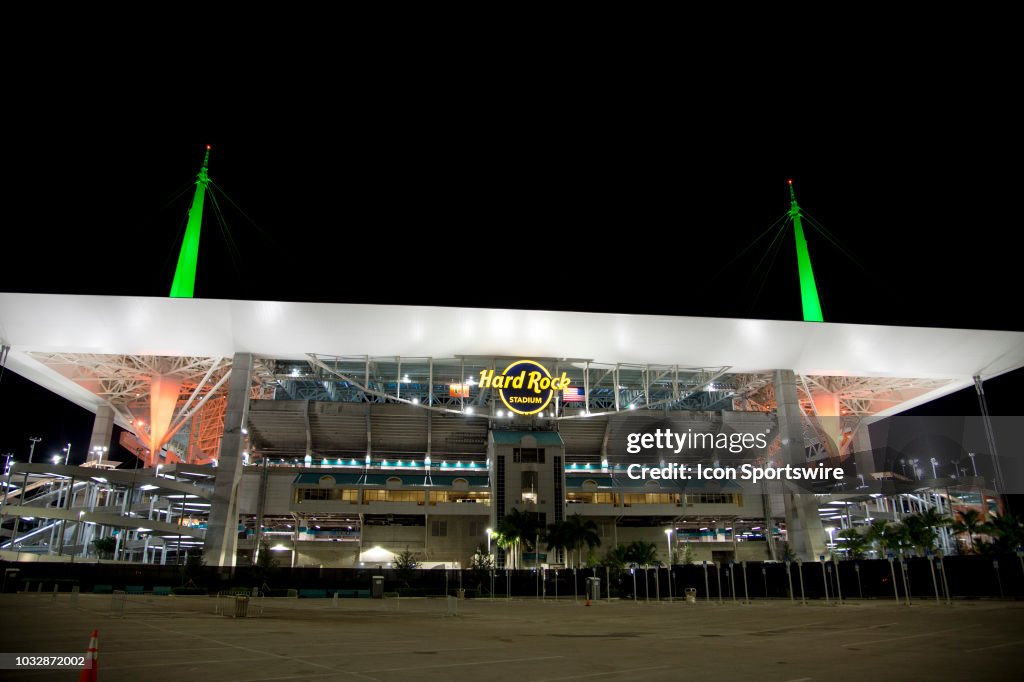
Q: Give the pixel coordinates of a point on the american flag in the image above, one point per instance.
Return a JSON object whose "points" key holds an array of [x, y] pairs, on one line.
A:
{"points": [[572, 395]]}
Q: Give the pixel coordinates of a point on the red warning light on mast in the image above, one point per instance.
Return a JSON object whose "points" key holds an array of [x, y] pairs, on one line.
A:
{"points": [[790, 181]]}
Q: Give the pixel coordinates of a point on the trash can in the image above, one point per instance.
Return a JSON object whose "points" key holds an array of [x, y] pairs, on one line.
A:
{"points": [[241, 607], [691, 595], [460, 593], [378, 587], [593, 588]]}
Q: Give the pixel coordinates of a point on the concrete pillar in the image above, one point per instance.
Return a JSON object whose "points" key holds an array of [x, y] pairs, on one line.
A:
{"points": [[863, 454], [803, 525], [102, 430], [222, 531]]}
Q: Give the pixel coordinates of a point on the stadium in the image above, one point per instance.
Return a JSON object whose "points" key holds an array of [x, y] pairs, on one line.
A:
{"points": [[364, 437]]}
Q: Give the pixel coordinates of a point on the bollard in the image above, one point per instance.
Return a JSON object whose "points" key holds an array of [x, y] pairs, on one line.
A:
{"points": [[945, 583], [839, 588], [54, 597], [789, 577], [707, 589], [906, 579], [935, 583], [892, 571]]}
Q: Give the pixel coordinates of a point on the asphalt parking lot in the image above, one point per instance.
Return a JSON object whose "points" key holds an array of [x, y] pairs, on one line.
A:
{"points": [[183, 638]]}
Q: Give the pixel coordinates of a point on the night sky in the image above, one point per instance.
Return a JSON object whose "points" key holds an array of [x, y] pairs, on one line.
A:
{"points": [[564, 220]]}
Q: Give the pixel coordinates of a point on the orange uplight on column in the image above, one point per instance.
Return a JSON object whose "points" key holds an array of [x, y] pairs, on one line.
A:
{"points": [[828, 408], [163, 398]]}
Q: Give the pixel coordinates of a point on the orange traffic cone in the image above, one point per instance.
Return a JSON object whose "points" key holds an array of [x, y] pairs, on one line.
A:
{"points": [[89, 670], [588, 599]]}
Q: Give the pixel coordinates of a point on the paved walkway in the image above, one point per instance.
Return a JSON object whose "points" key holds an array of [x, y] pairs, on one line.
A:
{"points": [[181, 639]]}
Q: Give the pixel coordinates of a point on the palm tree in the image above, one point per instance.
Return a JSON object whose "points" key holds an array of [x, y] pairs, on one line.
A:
{"points": [[855, 542], [557, 537], [1008, 531], [516, 528], [875, 533], [642, 553], [888, 536], [579, 533], [971, 522], [920, 527], [506, 543], [617, 557]]}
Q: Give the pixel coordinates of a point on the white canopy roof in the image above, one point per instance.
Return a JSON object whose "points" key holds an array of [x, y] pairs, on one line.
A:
{"points": [[218, 328]]}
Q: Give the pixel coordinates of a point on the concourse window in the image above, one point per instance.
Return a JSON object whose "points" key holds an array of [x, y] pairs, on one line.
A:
{"points": [[313, 494], [528, 455], [529, 486]]}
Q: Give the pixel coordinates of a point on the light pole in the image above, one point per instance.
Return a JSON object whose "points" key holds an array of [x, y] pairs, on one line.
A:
{"points": [[668, 541], [973, 465], [934, 464], [831, 542], [36, 439], [98, 451], [67, 453], [489, 532]]}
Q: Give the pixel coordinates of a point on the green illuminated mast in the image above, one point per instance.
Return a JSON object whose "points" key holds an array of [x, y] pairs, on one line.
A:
{"points": [[808, 291], [184, 283]]}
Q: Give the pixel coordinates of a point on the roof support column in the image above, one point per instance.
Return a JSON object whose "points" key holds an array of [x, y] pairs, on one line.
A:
{"points": [[803, 525], [863, 453], [102, 432], [222, 532]]}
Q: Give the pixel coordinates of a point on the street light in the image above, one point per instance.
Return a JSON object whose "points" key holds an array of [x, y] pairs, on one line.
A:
{"points": [[489, 531], [934, 464], [831, 541], [35, 439], [56, 459], [97, 451], [67, 455], [668, 541]]}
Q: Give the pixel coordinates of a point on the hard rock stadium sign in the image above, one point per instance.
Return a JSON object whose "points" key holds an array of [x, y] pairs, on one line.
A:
{"points": [[526, 387]]}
